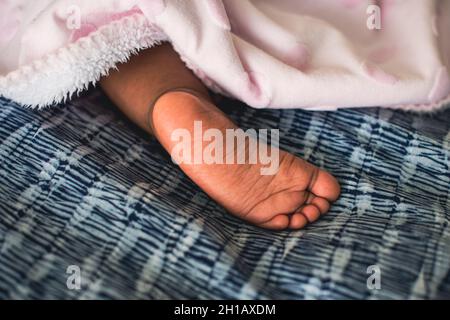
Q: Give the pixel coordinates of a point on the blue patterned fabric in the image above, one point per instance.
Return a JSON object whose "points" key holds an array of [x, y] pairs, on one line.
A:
{"points": [[82, 186]]}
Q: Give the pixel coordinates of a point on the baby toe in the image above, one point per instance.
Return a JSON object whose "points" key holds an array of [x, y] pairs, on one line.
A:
{"points": [[324, 185], [311, 212], [298, 221], [322, 204]]}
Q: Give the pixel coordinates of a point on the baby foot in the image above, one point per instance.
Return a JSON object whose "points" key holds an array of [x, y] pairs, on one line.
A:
{"points": [[298, 194]]}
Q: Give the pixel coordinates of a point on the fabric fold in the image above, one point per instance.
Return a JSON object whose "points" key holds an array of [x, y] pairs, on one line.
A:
{"points": [[316, 55]]}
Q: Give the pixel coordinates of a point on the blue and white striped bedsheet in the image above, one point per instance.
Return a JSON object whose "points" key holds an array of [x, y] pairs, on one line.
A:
{"points": [[82, 186]]}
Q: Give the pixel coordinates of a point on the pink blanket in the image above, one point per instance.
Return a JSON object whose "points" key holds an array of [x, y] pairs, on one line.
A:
{"points": [[313, 54]]}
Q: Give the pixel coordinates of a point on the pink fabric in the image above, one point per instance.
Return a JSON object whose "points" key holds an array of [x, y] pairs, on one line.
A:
{"points": [[317, 54], [92, 22]]}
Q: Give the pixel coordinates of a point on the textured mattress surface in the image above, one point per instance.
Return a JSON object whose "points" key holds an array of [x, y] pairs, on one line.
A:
{"points": [[80, 186]]}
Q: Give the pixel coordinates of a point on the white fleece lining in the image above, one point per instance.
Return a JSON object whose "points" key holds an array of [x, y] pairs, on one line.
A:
{"points": [[70, 70]]}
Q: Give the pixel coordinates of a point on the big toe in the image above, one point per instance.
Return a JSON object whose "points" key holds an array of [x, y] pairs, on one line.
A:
{"points": [[325, 186]]}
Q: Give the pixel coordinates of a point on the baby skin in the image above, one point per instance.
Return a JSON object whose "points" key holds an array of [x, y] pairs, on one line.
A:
{"points": [[298, 194]]}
